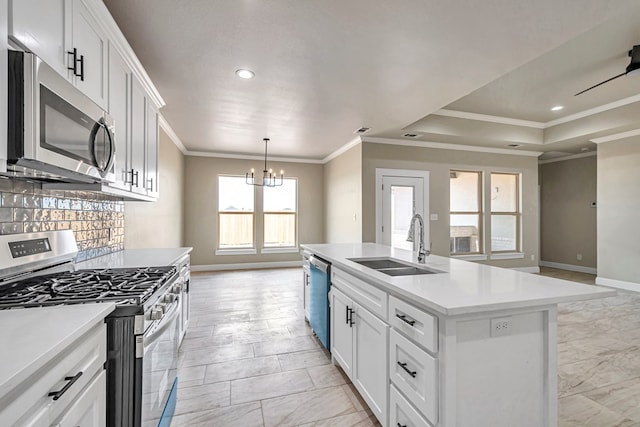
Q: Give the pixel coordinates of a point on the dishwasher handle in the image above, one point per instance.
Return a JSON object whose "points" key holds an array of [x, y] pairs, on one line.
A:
{"points": [[318, 263]]}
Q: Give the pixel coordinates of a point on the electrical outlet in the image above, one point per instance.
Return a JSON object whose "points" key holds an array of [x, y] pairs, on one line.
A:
{"points": [[533, 257], [500, 327], [433, 217], [579, 257]]}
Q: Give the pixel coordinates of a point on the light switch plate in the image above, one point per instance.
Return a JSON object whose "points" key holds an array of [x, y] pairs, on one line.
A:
{"points": [[433, 217]]}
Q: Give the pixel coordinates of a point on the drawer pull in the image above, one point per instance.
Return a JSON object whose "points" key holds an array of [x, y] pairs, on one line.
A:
{"points": [[407, 370], [402, 425], [58, 394], [405, 320]]}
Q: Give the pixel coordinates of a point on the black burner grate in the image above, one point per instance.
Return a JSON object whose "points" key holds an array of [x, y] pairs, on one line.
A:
{"points": [[122, 285]]}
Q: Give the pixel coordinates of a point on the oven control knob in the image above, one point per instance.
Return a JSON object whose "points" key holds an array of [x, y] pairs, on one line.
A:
{"points": [[156, 314], [161, 307], [169, 298], [176, 289]]}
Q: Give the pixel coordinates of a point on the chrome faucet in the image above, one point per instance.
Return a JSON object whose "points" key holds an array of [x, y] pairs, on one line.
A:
{"points": [[422, 252]]}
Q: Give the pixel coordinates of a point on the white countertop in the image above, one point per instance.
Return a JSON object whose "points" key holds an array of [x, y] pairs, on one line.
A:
{"points": [[31, 337], [131, 258], [463, 287]]}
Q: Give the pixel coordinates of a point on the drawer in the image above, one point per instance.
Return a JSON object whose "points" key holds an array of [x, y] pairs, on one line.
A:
{"points": [[402, 413], [415, 373], [363, 293], [416, 324], [33, 406]]}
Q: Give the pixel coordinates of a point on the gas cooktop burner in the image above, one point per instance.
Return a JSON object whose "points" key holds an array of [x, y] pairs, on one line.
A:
{"points": [[122, 285]]}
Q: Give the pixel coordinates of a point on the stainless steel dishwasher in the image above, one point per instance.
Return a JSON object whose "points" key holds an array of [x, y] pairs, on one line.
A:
{"points": [[319, 298]]}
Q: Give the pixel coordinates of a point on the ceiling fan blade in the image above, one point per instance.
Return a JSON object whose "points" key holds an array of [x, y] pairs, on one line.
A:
{"points": [[634, 53], [601, 83]]}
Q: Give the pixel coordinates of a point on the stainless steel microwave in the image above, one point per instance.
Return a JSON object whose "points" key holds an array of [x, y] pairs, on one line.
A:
{"points": [[55, 132]]}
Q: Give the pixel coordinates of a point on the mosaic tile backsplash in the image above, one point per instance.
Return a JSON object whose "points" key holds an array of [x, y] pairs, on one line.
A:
{"points": [[97, 220]]}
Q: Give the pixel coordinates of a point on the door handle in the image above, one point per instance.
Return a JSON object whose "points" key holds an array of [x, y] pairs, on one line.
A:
{"points": [[351, 322], [74, 60], [347, 314], [58, 394], [81, 60]]}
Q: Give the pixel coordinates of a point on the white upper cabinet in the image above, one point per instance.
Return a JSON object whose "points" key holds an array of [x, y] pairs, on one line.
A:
{"points": [[65, 35], [88, 48], [39, 26], [152, 174], [138, 137], [119, 94]]}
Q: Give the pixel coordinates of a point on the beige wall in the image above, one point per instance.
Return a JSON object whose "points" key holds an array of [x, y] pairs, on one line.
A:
{"points": [[343, 197], [619, 210], [439, 162], [567, 220], [159, 224], [201, 223]]}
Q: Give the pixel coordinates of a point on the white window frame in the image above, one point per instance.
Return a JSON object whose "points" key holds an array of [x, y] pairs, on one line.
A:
{"points": [[234, 250], [281, 249]]}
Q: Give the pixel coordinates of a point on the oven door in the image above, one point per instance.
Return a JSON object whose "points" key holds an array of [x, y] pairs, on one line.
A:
{"points": [[160, 367]]}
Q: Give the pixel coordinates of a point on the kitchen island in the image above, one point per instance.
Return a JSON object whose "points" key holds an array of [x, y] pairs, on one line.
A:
{"points": [[470, 345]]}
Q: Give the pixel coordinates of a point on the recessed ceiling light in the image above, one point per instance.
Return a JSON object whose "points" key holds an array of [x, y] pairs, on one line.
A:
{"points": [[557, 108], [245, 74]]}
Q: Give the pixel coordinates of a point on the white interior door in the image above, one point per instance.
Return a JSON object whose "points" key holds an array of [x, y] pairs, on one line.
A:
{"points": [[400, 195]]}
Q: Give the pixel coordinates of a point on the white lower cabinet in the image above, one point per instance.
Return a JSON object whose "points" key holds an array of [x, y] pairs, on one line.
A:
{"points": [[402, 413], [415, 373], [70, 390], [359, 344]]}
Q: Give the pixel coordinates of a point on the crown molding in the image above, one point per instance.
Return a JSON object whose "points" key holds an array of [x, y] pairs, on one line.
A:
{"points": [[489, 118], [171, 134], [447, 146], [349, 145], [251, 157], [616, 136], [571, 157]]}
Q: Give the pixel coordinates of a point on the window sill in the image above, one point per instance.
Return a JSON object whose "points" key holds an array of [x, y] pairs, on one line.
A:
{"points": [[287, 250], [508, 255], [473, 257], [247, 251]]}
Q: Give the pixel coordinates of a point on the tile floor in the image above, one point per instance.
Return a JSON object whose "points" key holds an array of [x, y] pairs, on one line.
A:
{"points": [[249, 359]]}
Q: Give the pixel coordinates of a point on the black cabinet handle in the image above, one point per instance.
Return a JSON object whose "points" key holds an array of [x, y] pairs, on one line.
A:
{"points": [[136, 175], [402, 425], [351, 322], [127, 181], [347, 314], [58, 394], [81, 61], [405, 320], [150, 180], [74, 60], [407, 370]]}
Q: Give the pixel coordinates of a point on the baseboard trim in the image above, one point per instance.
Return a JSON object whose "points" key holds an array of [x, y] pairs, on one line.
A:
{"points": [[619, 284], [246, 266], [570, 267], [527, 269]]}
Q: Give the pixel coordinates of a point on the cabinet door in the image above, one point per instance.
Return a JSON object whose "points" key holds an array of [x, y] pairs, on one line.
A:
{"points": [[370, 351], [91, 45], [39, 27], [151, 167], [119, 88], [341, 331], [90, 408], [138, 118]]}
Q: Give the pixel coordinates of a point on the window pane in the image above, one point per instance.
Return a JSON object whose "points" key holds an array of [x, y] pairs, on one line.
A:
{"points": [[283, 198], [279, 229], [464, 191], [401, 213], [504, 192], [503, 233], [236, 230], [464, 233], [234, 194]]}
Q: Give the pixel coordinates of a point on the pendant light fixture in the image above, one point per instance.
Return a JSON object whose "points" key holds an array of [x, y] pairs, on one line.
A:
{"points": [[269, 178]]}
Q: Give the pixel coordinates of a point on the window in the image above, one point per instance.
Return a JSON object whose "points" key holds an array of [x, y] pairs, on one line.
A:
{"points": [[466, 212], [235, 213], [279, 205], [505, 212]]}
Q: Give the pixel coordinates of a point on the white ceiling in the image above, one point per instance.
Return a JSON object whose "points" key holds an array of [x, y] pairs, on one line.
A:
{"points": [[326, 68]]}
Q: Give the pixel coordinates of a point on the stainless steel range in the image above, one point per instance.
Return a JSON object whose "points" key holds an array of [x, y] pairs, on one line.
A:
{"points": [[143, 332]]}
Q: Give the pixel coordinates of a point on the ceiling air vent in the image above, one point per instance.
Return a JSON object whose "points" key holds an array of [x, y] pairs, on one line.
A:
{"points": [[514, 145], [412, 135], [362, 130]]}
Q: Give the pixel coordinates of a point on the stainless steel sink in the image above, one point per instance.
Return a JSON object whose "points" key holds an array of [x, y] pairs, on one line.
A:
{"points": [[392, 267]]}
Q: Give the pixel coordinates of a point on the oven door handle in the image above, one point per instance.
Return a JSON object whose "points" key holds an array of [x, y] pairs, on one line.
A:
{"points": [[168, 318]]}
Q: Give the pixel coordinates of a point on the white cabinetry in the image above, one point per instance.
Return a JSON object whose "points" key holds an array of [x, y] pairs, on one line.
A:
{"points": [[66, 35], [3, 84], [151, 170], [359, 343], [138, 134], [119, 96], [68, 389]]}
